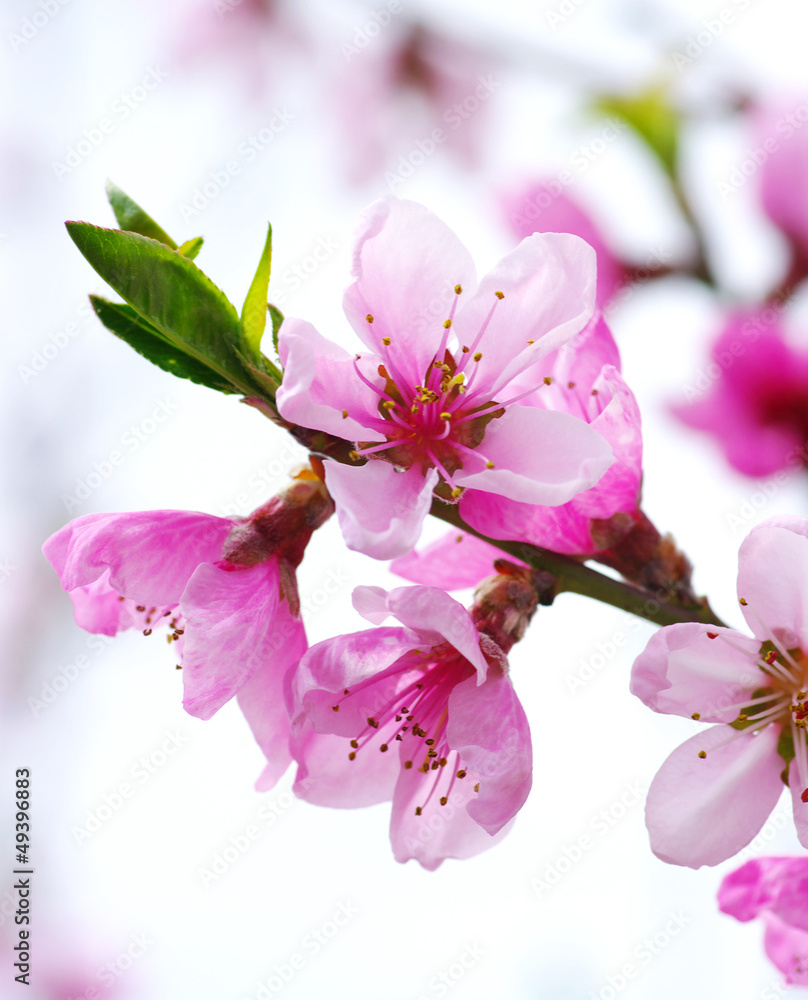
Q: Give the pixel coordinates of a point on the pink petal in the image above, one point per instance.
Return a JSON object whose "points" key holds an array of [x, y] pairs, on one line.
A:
{"points": [[150, 554], [320, 382], [380, 511], [229, 633], [561, 528], [539, 456], [263, 696], [99, 609], [702, 811], [548, 283], [406, 264], [489, 729], [750, 888], [343, 663], [457, 560], [798, 785], [787, 947], [682, 671], [772, 579]]}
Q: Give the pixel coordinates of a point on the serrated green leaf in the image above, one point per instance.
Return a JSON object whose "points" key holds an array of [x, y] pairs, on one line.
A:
{"points": [[190, 248], [653, 118], [254, 312], [276, 317], [125, 323], [174, 296], [132, 218]]}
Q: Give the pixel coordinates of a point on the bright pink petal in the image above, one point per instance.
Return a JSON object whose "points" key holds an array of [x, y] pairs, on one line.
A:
{"points": [[229, 633], [150, 554], [750, 888], [702, 811], [457, 560], [320, 385], [548, 283], [772, 579], [380, 511], [561, 528], [787, 947], [99, 609], [539, 456], [682, 671], [263, 696], [489, 730], [406, 265]]}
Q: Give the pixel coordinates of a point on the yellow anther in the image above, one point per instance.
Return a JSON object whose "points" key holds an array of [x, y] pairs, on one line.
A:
{"points": [[489, 465], [478, 355], [456, 492], [443, 800], [531, 342], [458, 289], [352, 755], [743, 717], [344, 414], [389, 404], [547, 380], [742, 600], [445, 416], [355, 744], [386, 341], [461, 774], [417, 810], [335, 708], [408, 764], [702, 754], [500, 295], [446, 324], [465, 349], [477, 787], [696, 716], [369, 318], [354, 455], [459, 538]]}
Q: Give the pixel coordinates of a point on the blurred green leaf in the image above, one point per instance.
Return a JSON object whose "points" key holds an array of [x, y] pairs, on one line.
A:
{"points": [[190, 248], [254, 312], [133, 219], [653, 118]]}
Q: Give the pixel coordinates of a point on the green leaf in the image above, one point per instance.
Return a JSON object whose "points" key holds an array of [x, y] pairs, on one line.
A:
{"points": [[254, 312], [173, 296], [276, 316], [125, 323], [190, 248], [653, 118], [133, 219]]}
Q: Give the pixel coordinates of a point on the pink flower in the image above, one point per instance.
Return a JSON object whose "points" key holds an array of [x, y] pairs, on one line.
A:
{"points": [[757, 406], [423, 714], [586, 383], [775, 889], [224, 587], [713, 793], [545, 208], [437, 395]]}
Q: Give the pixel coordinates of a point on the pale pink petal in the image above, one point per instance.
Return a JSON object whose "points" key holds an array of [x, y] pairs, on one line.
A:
{"points": [[263, 696], [581, 360], [229, 632], [320, 385], [371, 603], [787, 947], [326, 777], [99, 609], [561, 528], [406, 265], [488, 728], [772, 579], [457, 560], [353, 663], [380, 511], [150, 554], [702, 811], [539, 456], [548, 283], [682, 671], [439, 831], [797, 784]]}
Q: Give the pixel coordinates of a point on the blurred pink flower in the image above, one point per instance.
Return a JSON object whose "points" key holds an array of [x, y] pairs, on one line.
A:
{"points": [[225, 588], [399, 86], [714, 792], [425, 715], [438, 394], [544, 207], [757, 404], [775, 889]]}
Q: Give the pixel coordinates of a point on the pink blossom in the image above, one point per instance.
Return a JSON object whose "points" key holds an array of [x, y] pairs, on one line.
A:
{"points": [[586, 383], [437, 397], [424, 714], [391, 97], [544, 207], [775, 889], [757, 405], [224, 587], [713, 793]]}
